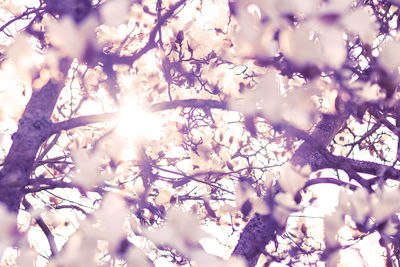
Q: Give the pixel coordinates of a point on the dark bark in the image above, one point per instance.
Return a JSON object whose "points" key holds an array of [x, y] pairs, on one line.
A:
{"points": [[35, 125], [260, 230], [321, 137], [34, 128]]}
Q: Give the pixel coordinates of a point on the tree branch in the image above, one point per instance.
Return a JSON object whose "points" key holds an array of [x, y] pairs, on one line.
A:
{"points": [[312, 151], [90, 119], [75, 207], [151, 43], [83, 121], [262, 229], [28, 12], [46, 230], [322, 136], [34, 128], [258, 232], [327, 180]]}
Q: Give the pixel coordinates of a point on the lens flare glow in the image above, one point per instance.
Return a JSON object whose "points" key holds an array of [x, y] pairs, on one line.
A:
{"points": [[135, 122]]}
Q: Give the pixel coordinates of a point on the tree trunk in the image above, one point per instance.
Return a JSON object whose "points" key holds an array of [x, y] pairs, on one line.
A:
{"points": [[34, 128], [262, 229], [255, 236]]}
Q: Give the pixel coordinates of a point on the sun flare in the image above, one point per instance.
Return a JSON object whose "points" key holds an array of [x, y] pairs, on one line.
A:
{"points": [[135, 122]]}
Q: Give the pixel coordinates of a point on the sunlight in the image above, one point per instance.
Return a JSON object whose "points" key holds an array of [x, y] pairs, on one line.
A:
{"points": [[135, 128], [135, 122], [167, 133]]}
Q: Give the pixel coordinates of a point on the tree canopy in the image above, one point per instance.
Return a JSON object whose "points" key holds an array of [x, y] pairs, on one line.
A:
{"points": [[199, 133]]}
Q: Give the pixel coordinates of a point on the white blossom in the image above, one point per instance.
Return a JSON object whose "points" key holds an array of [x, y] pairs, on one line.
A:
{"points": [[114, 12], [71, 39], [389, 57]]}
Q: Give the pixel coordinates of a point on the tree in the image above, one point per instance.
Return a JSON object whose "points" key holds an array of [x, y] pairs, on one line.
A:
{"points": [[148, 133]]}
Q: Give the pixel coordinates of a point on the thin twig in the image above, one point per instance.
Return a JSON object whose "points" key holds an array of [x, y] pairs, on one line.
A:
{"points": [[46, 230]]}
